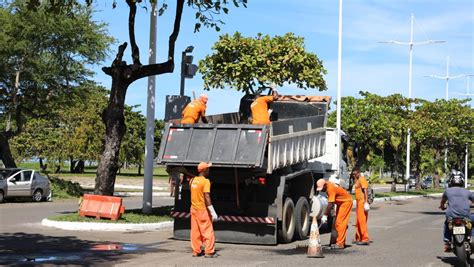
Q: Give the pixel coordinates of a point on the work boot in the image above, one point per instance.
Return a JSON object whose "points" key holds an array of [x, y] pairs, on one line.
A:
{"points": [[214, 255], [363, 243], [337, 247]]}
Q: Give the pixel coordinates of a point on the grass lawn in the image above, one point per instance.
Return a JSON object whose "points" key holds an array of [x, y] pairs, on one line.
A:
{"points": [[159, 214]]}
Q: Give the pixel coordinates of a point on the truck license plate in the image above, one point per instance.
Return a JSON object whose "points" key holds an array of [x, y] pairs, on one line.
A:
{"points": [[459, 230]]}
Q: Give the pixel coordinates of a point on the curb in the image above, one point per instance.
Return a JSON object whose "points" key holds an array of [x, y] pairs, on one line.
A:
{"points": [[125, 227], [109, 227], [384, 199]]}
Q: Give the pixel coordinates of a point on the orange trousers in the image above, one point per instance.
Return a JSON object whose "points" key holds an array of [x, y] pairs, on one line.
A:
{"points": [[202, 232], [343, 213], [361, 233]]}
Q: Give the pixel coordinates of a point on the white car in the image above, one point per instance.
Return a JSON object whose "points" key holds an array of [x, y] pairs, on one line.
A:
{"points": [[24, 183]]}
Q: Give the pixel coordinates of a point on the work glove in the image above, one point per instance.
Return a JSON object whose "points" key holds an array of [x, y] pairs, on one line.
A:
{"points": [[324, 219], [366, 206], [213, 213]]}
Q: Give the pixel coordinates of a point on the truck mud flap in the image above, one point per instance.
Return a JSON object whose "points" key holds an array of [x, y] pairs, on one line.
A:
{"points": [[233, 229]]}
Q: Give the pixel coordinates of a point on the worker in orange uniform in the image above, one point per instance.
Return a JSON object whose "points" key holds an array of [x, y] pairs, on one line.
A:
{"points": [[195, 110], [339, 196], [202, 213], [362, 208], [259, 108]]}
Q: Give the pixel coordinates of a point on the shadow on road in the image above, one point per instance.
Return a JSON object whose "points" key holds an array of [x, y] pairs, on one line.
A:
{"points": [[453, 261], [24, 248]]}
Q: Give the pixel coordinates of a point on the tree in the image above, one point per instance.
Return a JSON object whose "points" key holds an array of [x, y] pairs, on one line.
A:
{"points": [[72, 132], [376, 126], [442, 122], [124, 74], [251, 65], [43, 59]]}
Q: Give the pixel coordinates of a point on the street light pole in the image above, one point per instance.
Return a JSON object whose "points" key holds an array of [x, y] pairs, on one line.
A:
{"points": [[447, 78], [150, 119], [339, 102], [410, 45]]}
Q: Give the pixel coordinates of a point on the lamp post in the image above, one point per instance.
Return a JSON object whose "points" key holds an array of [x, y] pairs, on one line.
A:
{"points": [[150, 119], [411, 44], [447, 78], [339, 85], [466, 159]]}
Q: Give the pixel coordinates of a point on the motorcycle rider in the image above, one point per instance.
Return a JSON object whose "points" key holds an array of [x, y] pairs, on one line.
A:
{"points": [[459, 201]]}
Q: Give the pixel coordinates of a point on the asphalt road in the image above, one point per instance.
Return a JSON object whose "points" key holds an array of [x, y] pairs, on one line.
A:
{"points": [[405, 233]]}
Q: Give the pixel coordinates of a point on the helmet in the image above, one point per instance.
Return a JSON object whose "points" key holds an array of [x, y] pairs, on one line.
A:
{"points": [[456, 178]]}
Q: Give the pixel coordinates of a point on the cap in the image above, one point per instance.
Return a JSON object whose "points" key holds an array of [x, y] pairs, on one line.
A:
{"points": [[320, 184], [203, 166], [204, 97]]}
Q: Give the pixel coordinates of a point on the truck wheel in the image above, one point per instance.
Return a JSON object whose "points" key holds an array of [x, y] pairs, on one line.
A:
{"points": [[2, 196], [288, 221], [302, 218]]}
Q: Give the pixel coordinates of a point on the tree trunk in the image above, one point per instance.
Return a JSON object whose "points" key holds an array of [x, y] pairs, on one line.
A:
{"points": [[139, 169], [436, 180], [113, 117], [72, 164], [393, 188], [43, 166], [5, 152], [79, 168]]}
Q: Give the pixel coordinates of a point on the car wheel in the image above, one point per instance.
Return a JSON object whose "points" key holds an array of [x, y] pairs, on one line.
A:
{"points": [[2, 196], [37, 195]]}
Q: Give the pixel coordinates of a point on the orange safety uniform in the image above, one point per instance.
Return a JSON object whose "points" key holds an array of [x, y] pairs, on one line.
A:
{"points": [[201, 222], [193, 111], [343, 200], [361, 234], [259, 109]]}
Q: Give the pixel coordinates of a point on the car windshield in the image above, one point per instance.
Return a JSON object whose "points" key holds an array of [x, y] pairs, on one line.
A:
{"points": [[5, 173]]}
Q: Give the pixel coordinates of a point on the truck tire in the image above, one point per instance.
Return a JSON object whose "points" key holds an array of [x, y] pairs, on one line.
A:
{"points": [[287, 229], [302, 223]]}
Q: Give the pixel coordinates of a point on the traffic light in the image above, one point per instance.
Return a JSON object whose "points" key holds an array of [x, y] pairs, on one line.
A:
{"points": [[189, 68]]}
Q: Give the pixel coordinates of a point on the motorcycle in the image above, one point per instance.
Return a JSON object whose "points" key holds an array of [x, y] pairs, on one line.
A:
{"points": [[461, 239]]}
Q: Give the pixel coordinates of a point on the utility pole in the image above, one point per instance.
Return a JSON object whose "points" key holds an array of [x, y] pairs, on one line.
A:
{"points": [[466, 159], [150, 119], [447, 78], [339, 102], [410, 45]]}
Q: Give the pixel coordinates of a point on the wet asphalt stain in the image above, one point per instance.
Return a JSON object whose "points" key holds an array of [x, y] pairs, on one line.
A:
{"points": [[106, 251]]}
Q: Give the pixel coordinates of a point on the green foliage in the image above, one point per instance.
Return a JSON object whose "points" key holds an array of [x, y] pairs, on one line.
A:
{"points": [[63, 189], [73, 131], [44, 58], [377, 127], [253, 64], [158, 214]]}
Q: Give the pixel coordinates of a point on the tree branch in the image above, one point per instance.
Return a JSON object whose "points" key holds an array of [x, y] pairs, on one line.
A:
{"points": [[153, 69], [117, 61], [175, 33], [131, 31]]}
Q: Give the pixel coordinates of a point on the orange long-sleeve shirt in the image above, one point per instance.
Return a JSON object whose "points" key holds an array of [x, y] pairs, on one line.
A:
{"points": [[259, 109], [193, 111]]}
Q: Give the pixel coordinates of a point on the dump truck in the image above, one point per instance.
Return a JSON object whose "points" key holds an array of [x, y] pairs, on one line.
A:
{"points": [[263, 176]]}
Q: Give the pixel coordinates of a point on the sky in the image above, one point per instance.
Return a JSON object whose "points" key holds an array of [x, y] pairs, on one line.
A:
{"points": [[367, 64]]}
